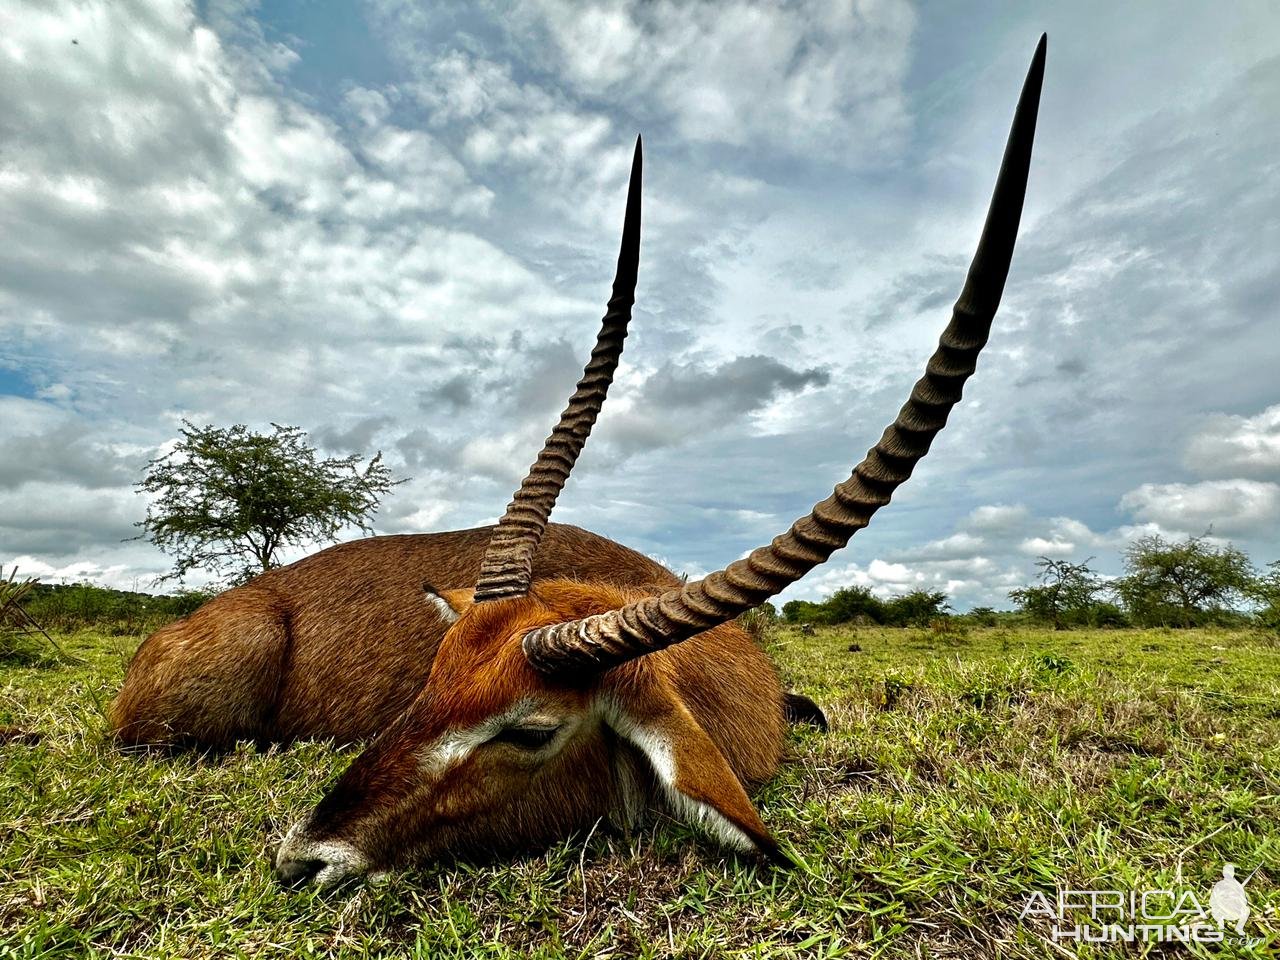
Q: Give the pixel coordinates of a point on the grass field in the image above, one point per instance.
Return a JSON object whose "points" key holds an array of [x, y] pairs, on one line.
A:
{"points": [[962, 774]]}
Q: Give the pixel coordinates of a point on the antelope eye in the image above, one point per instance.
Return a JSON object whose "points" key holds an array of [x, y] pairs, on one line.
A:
{"points": [[527, 738]]}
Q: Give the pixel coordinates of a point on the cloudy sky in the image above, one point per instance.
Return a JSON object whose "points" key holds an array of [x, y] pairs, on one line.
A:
{"points": [[393, 224]]}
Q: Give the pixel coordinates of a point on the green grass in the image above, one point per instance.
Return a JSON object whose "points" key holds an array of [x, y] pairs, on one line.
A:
{"points": [[962, 773]]}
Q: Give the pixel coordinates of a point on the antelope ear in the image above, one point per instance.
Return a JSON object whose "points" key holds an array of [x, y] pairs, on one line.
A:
{"points": [[450, 604], [698, 783]]}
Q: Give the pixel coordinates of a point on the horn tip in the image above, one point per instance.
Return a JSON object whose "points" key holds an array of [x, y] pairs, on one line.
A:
{"points": [[1029, 101], [1037, 62]]}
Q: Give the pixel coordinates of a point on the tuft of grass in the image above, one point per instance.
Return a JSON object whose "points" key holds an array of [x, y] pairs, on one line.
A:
{"points": [[19, 630], [958, 778]]}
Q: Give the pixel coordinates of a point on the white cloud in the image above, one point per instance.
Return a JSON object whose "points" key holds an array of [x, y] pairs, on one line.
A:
{"points": [[796, 77], [1065, 536], [997, 518], [570, 151], [1039, 546], [880, 576], [1231, 507], [117, 575], [966, 581], [959, 546], [1231, 446]]}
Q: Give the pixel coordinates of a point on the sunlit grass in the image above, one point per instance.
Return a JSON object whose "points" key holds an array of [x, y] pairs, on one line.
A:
{"points": [[962, 772]]}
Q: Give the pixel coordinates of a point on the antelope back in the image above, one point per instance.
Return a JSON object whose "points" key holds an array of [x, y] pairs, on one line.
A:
{"points": [[333, 646]]}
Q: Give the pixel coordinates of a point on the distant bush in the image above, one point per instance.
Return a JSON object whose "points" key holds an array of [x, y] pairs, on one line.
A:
{"points": [[859, 605], [805, 611], [1096, 613], [1105, 614], [919, 608], [854, 605], [981, 617], [78, 606]]}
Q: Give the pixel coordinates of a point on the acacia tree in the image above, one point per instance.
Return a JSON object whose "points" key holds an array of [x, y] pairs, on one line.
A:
{"points": [[1065, 588], [227, 500], [1182, 580]]}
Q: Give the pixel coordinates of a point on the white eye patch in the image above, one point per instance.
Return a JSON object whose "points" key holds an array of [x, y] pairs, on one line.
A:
{"points": [[521, 724]]}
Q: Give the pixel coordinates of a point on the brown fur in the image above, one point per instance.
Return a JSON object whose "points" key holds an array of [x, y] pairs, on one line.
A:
{"points": [[335, 645]]}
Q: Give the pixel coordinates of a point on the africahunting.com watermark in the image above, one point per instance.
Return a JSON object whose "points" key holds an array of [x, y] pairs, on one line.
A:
{"points": [[1147, 916]]}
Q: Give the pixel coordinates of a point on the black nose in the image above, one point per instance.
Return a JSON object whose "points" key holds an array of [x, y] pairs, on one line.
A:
{"points": [[298, 873]]}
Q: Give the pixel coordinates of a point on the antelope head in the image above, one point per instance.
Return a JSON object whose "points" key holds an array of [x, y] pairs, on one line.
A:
{"points": [[546, 708], [496, 755]]}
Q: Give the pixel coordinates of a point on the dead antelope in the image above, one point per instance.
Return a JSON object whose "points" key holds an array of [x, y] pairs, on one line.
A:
{"points": [[566, 687]]}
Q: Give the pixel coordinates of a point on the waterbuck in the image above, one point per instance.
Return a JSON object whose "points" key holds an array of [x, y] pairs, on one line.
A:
{"points": [[556, 688]]}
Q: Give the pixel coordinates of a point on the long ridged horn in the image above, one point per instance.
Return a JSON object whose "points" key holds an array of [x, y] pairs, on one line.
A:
{"points": [[598, 642], [508, 560]]}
